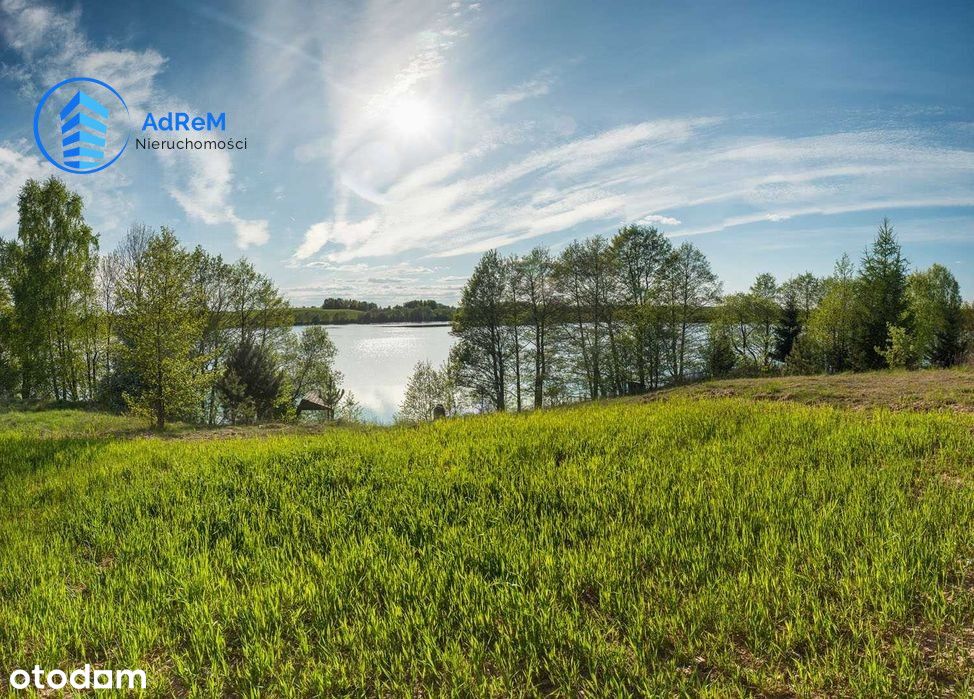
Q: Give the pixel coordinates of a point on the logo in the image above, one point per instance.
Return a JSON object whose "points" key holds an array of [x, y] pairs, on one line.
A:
{"points": [[78, 113]]}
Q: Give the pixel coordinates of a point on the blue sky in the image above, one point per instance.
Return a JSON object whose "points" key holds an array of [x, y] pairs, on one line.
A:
{"points": [[391, 142]]}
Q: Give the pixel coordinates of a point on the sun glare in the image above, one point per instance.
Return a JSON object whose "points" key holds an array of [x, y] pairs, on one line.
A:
{"points": [[411, 117]]}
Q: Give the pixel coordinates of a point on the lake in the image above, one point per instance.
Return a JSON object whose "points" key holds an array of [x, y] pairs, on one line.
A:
{"points": [[377, 360]]}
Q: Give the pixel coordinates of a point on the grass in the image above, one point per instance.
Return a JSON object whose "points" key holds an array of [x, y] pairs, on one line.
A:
{"points": [[931, 389], [697, 546]]}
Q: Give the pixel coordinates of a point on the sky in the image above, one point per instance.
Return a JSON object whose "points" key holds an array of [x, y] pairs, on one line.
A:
{"points": [[392, 142]]}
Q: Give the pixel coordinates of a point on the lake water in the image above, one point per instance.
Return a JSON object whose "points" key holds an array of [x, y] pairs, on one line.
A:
{"points": [[377, 360]]}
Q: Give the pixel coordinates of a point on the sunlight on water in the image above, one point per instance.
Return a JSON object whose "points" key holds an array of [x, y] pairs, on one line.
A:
{"points": [[377, 360]]}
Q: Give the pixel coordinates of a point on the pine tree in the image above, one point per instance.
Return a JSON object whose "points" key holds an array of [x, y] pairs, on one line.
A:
{"points": [[251, 374], [719, 352], [881, 292], [787, 330]]}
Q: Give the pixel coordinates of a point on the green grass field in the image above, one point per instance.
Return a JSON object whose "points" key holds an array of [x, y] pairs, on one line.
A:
{"points": [[714, 546]]}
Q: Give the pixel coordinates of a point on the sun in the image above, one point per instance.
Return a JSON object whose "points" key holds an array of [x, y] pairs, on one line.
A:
{"points": [[412, 117]]}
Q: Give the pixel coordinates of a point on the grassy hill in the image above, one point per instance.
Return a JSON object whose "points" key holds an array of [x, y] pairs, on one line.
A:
{"points": [[715, 545], [932, 389]]}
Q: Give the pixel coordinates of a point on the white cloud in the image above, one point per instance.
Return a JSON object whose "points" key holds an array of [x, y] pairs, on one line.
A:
{"points": [[657, 220], [537, 87], [15, 168]]}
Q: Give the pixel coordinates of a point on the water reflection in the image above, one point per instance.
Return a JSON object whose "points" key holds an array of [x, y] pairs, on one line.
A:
{"points": [[377, 360]]}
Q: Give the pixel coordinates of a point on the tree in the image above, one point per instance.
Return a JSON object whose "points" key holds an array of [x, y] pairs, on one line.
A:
{"points": [[935, 306], [587, 280], [719, 352], [427, 388], [900, 351], [641, 253], [251, 376], [832, 325], [349, 409], [689, 287], [515, 317], [753, 316], [213, 279], [52, 265], [309, 362], [788, 328], [806, 290], [881, 291], [536, 278], [161, 324], [765, 314], [8, 366], [483, 348]]}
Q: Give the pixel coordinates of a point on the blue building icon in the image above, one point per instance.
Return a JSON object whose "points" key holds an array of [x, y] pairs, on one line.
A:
{"points": [[83, 131]]}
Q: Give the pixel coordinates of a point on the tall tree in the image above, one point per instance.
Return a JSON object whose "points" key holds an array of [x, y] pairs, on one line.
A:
{"points": [[482, 350], [52, 263], [310, 362], [690, 287], [586, 278], [788, 328], [536, 277], [641, 254], [881, 293], [832, 325], [935, 306], [8, 364], [159, 317], [514, 321]]}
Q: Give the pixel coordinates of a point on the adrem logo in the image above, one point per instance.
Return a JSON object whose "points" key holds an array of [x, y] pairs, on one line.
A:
{"points": [[82, 126], [87, 131]]}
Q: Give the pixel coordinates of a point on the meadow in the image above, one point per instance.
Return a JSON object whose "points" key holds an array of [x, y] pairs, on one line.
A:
{"points": [[697, 545]]}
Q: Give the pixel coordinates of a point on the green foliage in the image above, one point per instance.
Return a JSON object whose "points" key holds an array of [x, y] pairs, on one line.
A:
{"points": [[309, 360], [719, 353], [427, 388], [688, 548], [483, 348], [806, 290], [787, 330], [252, 378], [159, 319], [346, 311], [828, 345], [881, 295], [935, 306], [750, 319], [900, 351], [50, 272]]}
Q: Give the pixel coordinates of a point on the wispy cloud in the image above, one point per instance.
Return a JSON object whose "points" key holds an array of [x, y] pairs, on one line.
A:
{"points": [[658, 220], [464, 203], [537, 87]]}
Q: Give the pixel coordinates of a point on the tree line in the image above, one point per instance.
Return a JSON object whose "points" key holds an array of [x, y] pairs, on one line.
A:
{"points": [[150, 327], [347, 311], [631, 313]]}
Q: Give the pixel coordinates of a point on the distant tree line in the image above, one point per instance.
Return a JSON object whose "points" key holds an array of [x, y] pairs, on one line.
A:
{"points": [[627, 314], [151, 327], [348, 304], [347, 311]]}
